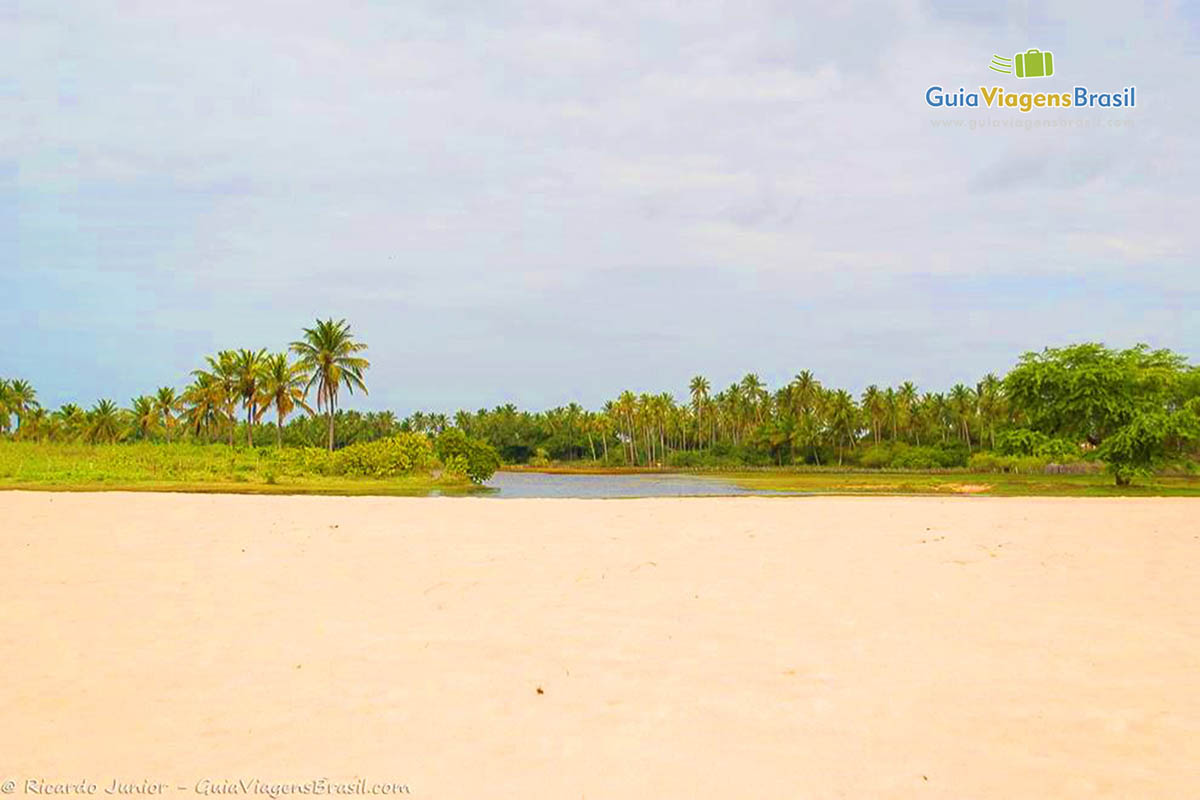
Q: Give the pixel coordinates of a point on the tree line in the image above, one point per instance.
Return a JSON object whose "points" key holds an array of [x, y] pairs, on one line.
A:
{"points": [[1135, 409]]}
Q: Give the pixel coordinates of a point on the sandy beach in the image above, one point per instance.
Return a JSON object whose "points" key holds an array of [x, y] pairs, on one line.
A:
{"points": [[472, 648]]}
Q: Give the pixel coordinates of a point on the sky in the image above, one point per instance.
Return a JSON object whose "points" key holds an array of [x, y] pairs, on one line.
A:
{"points": [[541, 202]]}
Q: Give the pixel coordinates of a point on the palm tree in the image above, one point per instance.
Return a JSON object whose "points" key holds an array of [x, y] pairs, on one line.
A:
{"points": [[843, 420], [221, 387], [20, 398], [282, 387], [699, 389], [204, 403], [104, 423], [5, 407], [754, 392], [327, 357], [872, 404], [166, 405], [962, 405], [145, 415], [908, 408], [990, 394], [73, 421], [38, 425], [247, 366]]}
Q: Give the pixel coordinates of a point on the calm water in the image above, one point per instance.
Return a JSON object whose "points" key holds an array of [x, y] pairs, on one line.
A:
{"points": [[540, 484]]}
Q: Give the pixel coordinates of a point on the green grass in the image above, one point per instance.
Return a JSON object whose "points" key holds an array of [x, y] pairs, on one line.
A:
{"points": [[190, 468], [962, 482], [834, 480], [218, 468]]}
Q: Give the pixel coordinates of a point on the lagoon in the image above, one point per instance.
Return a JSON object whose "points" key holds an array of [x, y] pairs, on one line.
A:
{"points": [[508, 485]]}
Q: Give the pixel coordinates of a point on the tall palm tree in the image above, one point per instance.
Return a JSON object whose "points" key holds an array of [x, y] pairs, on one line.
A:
{"points": [[204, 403], [166, 405], [843, 420], [327, 356], [754, 393], [221, 388], [248, 366], [962, 406], [5, 406], [283, 388], [872, 405], [699, 390], [908, 408], [20, 398]]}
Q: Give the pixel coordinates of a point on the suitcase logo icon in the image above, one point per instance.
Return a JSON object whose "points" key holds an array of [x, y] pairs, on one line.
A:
{"points": [[1033, 63]]}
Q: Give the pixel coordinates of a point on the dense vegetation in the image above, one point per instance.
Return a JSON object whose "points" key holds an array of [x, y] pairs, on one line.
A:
{"points": [[1075, 409], [254, 383]]}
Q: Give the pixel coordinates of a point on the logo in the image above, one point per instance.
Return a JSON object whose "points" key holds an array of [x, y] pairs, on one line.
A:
{"points": [[1033, 63]]}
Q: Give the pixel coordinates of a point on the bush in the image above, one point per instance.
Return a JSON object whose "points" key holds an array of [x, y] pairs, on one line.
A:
{"points": [[464, 456], [942, 456], [1026, 442], [395, 455], [994, 462]]}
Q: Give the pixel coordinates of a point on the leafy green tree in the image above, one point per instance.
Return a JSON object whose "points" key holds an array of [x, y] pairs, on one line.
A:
{"points": [[477, 459], [1140, 446], [327, 354], [1087, 391]]}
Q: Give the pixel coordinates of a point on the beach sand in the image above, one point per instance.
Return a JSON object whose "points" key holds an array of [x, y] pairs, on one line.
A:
{"points": [[669, 648]]}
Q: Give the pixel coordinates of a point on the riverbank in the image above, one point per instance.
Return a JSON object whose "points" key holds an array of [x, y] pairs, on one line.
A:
{"points": [[780, 647]]}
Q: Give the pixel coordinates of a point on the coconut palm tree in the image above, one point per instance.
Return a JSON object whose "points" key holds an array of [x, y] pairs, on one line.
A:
{"points": [[843, 420], [20, 397], [962, 407], [248, 367], [908, 409], [204, 403], [104, 423], [699, 390], [327, 354], [72, 421], [282, 388], [5, 407], [221, 389], [872, 405], [145, 416], [166, 405]]}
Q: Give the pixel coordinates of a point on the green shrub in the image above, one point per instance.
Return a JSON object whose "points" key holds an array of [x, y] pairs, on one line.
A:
{"points": [[1026, 442], [462, 455], [384, 458], [994, 462]]}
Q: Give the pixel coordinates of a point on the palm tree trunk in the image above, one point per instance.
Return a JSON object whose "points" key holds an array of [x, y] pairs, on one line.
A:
{"points": [[279, 428], [331, 425]]}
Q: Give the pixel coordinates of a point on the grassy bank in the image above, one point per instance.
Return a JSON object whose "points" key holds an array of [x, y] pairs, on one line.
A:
{"points": [[194, 468], [961, 482], [855, 480]]}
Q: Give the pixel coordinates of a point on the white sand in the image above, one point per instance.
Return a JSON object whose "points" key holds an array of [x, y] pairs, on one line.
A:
{"points": [[735, 647]]}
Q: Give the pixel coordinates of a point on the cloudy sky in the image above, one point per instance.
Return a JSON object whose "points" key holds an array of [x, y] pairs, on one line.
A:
{"points": [[539, 202]]}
